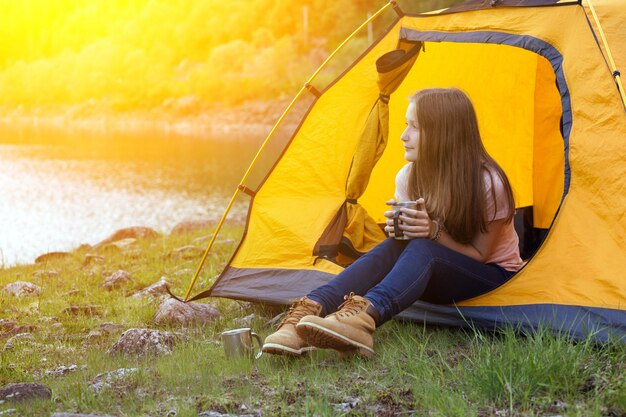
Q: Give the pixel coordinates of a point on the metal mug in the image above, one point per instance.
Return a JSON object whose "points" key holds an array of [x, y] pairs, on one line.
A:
{"points": [[238, 342], [396, 206]]}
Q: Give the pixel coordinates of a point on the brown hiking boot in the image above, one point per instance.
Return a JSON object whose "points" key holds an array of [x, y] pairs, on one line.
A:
{"points": [[349, 329], [285, 341]]}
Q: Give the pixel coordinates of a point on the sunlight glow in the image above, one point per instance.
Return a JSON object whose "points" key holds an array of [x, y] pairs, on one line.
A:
{"points": [[127, 54]]}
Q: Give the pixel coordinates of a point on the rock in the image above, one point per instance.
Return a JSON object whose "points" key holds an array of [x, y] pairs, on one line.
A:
{"points": [[22, 289], [7, 411], [62, 370], [51, 256], [42, 273], [87, 310], [187, 252], [119, 245], [79, 415], [172, 311], [137, 232], [7, 325], [27, 328], [73, 291], [46, 319], [202, 239], [19, 339], [244, 321], [154, 290], [57, 325], [106, 379], [23, 391], [117, 279], [109, 327], [94, 334], [346, 406], [191, 225], [144, 341], [218, 414], [83, 247], [93, 259], [184, 272]]}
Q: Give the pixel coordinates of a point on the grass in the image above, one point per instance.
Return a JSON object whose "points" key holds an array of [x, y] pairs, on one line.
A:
{"points": [[418, 370]]}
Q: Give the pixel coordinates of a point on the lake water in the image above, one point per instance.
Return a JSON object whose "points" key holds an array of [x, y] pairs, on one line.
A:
{"points": [[59, 189]]}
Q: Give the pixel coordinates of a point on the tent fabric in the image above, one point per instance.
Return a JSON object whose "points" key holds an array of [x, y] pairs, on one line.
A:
{"points": [[549, 113], [352, 221]]}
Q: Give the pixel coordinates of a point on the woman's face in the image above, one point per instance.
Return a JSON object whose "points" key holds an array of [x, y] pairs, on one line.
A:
{"points": [[411, 135]]}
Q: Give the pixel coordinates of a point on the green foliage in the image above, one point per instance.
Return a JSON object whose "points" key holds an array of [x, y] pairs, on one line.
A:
{"points": [[122, 55]]}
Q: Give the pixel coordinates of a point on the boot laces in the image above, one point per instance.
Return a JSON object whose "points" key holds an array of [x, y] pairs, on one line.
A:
{"points": [[299, 308], [351, 306]]}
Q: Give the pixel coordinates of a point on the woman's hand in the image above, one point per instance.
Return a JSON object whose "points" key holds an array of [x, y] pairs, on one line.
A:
{"points": [[413, 223], [389, 215]]}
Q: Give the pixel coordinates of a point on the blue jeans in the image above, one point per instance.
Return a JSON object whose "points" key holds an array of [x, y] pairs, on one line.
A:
{"points": [[396, 273]]}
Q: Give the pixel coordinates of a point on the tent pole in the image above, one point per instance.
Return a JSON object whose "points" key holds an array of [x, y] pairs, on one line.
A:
{"points": [[616, 73], [306, 86], [210, 245]]}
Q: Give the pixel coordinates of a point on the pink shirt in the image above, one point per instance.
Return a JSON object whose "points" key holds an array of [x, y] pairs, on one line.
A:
{"points": [[506, 250]]}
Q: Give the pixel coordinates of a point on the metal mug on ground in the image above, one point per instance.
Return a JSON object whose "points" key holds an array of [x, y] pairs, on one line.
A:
{"points": [[397, 232], [238, 342]]}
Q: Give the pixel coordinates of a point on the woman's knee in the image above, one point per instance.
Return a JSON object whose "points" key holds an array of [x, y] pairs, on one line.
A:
{"points": [[389, 247], [426, 246]]}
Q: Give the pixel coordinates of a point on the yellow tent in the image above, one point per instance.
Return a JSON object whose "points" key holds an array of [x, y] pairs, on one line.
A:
{"points": [[547, 94]]}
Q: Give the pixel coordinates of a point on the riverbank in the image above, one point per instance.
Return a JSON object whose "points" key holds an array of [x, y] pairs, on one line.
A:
{"points": [[70, 334], [186, 116]]}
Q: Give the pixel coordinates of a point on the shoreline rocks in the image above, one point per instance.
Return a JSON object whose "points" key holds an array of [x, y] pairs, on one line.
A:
{"points": [[136, 232]]}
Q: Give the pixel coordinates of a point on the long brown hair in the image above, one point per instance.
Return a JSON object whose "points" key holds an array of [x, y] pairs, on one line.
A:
{"points": [[450, 165]]}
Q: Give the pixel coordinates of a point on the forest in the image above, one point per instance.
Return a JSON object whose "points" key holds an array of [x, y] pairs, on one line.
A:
{"points": [[122, 55]]}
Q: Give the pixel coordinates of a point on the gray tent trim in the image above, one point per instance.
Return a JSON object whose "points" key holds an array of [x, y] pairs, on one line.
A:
{"points": [[281, 286]]}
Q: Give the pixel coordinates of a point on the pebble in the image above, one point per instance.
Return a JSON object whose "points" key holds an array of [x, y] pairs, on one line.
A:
{"points": [[187, 252], [6, 324], [172, 311], [144, 341], [22, 289], [87, 310], [105, 379], [19, 339], [137, 232], [93, 259], [62, 370], [42, 273], [157, 289], [184, 272], [23, 391], [110, 327], [244, 321], [193, 225], [78, 415], [117, 279], [119, 245], [51, 256]]}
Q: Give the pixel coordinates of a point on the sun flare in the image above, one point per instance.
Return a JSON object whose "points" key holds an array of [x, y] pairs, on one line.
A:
{"points": [[123, 54]]}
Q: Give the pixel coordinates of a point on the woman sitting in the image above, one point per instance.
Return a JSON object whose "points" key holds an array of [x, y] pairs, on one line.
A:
{"points": [[462, 240]]}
